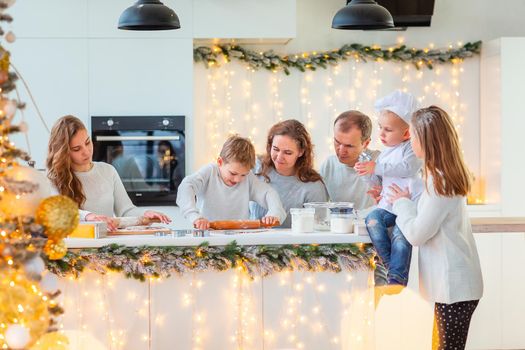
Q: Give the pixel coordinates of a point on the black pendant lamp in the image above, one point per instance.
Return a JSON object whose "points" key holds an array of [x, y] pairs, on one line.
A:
{"points": [[362, 14], [148, 15]]}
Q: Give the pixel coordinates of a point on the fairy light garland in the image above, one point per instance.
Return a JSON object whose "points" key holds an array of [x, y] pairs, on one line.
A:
{"points": [[269, 60], [255, 260], [325, 90]]}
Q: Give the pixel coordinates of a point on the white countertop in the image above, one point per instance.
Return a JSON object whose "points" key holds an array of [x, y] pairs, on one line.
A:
{"points": [[277, 236], [270, 237]]}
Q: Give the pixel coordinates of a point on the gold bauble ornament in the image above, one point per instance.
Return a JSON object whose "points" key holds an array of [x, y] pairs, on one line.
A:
{"points": [[54, 250], [20, 303], [24, 204], [16, 336], [58, 215]]}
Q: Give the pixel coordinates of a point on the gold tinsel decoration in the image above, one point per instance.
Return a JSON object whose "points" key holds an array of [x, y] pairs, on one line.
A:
{"points": [[21, 303], [59, 216], [55, 250]]}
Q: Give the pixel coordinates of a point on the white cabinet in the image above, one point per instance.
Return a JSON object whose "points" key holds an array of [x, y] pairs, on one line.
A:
{"points": [[498, 320], [502, 123], [404, 321]]}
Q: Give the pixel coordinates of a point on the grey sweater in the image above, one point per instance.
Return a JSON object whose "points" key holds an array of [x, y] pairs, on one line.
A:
{"points": [[293, 192], [343, 183], [205, 195]]}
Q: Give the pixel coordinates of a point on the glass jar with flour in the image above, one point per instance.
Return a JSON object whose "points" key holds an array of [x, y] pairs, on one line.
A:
{"points": [[302, 220], [342, 219]]}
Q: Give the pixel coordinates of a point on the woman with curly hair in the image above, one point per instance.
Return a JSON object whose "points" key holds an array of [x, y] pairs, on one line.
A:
{"points": [[95, 186], [288, 167]]}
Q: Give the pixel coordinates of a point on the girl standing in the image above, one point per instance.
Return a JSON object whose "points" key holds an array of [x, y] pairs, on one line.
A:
{"points": [[449, 268]]}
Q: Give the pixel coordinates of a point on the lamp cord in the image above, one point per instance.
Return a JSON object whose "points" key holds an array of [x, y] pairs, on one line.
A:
{"points": [[26, 134]]}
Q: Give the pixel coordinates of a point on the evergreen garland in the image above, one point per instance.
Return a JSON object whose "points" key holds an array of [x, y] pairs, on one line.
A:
{"points": [[146, 261], [311, 61]]}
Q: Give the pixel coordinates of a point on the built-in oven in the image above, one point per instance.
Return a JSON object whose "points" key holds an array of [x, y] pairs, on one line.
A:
{"points": [[147, 151]]}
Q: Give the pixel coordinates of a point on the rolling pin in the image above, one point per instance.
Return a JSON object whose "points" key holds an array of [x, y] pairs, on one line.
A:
{"points": [[239, 224]]}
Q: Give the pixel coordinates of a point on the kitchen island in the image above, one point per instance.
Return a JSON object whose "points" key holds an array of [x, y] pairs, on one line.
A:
{"points": [[265, 290]]}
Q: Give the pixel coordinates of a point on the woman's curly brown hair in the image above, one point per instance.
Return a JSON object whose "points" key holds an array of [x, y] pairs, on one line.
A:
{"points": [[304, 165], [58, 160]]}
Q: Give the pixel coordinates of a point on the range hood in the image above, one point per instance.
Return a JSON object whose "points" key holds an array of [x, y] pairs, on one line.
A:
{"points": [[409, 13]]}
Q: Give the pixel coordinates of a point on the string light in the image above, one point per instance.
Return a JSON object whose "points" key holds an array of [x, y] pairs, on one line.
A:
{"points": [[305, 111], [275, 98]]}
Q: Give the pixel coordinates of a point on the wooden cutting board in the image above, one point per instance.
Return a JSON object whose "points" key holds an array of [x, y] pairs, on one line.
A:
{"points": [[136, 230]]}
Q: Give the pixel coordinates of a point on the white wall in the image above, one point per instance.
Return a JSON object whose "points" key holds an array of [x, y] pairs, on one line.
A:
{"points": [[269, 19]]}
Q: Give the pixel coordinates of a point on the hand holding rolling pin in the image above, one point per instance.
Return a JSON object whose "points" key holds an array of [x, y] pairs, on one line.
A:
{"points": [[270, 221]]}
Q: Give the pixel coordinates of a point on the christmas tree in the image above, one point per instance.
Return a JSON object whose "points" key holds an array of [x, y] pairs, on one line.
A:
{"points": [[32, 228]]}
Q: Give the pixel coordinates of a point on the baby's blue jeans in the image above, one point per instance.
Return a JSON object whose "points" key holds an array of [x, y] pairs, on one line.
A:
{"points": [[392, 247]]}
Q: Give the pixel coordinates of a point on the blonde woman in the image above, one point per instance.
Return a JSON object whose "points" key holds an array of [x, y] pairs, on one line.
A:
{"points": [[95, 186], [449, 268]]}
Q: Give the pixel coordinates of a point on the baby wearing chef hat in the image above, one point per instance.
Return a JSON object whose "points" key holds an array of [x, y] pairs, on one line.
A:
{"points": [[397, 164]]}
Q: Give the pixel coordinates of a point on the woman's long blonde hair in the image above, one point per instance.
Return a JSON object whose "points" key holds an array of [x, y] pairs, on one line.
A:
{"points": [[58, 160], [305, 163], [442, 152]]}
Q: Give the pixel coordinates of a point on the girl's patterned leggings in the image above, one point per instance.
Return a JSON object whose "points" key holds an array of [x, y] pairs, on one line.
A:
{"points": [[451, 323]]}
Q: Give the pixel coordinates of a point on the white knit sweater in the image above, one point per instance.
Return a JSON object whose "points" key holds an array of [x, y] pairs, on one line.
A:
{"points": [[449, 268]]}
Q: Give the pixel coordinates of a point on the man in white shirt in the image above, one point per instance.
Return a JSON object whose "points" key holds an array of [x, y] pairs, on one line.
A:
{"points": [[352, 131]]}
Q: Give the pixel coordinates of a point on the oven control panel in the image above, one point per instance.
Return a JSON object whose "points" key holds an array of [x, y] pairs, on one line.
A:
{"points": [[145, 123]]}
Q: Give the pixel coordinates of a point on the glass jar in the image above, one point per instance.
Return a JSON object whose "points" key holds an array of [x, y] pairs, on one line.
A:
{"points": [[302, 220], [342, 219], [322, 215]]}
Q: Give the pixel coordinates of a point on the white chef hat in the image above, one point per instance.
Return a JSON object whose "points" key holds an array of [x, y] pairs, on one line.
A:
{"points": [[401, 103]]}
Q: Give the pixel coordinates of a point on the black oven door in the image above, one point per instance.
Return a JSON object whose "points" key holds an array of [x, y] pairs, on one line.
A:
{"points": [[150, 162]]}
